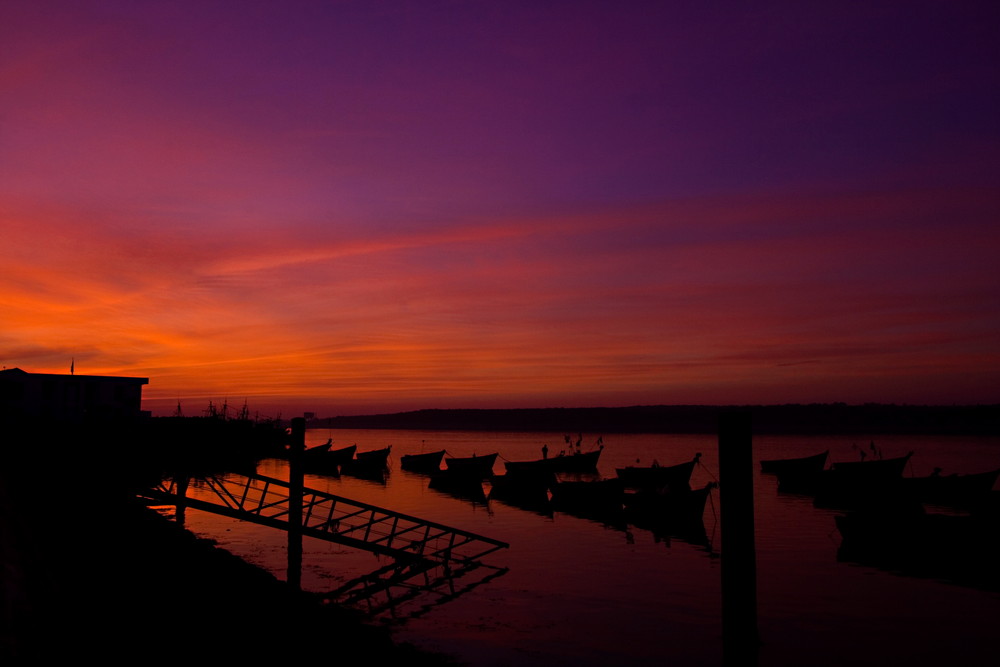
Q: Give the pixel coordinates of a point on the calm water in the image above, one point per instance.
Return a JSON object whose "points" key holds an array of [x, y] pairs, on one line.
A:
{"points": [[573, 591]]}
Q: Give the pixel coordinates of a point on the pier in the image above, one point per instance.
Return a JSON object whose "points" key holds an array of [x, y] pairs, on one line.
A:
{"points": [[325, 516]]}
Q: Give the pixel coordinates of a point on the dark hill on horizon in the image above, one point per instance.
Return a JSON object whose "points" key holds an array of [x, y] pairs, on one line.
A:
{"points": [[804, 419]]}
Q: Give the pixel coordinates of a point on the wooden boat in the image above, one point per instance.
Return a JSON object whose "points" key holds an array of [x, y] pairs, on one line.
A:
{"points": [[606, 494], [531, 492], [423, 463], [869, 475], [873, 468], [862, 484], [955, 490], [476, 465], [800, 465], [324, 461], [373, 457], [370, 464], [461, 482], [318, 449], [342, 455], [675, 477], [576, 462], [677, 506], [963, 548]]}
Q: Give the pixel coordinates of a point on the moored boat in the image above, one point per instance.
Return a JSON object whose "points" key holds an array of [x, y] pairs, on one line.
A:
{"points": [[526, 491], [799, 465], [424, 462], [373, 456], [866, 483], [341, 456], [957, 490], [461, 482], [318, 449], [663, 505], [476, 465], [675, 477], [865, 475], [608, 494], [575, 462], [872, 468], [326, 461]]}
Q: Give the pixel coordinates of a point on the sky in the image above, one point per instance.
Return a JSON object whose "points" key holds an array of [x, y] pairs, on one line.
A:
{"points": [[351, 207]]}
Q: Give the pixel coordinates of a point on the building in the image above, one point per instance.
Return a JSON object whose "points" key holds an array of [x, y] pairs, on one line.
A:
{"points": [[71, 397]]}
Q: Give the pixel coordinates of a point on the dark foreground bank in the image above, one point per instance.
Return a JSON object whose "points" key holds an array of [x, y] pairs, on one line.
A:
{"points": [[88, 573]]}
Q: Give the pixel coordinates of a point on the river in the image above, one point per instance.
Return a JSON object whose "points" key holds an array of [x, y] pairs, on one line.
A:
{"points": [[576, 591]]}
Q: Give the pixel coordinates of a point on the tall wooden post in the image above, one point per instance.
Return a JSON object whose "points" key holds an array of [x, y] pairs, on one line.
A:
{"points": [[740, 638], [295, 475], [183, 481]]}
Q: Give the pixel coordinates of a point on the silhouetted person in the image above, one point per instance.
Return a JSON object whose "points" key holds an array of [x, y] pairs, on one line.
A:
{"points": [[545, 451]]}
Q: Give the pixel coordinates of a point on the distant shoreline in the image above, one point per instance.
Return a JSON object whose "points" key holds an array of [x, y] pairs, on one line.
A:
{"points": [[797, 419]]}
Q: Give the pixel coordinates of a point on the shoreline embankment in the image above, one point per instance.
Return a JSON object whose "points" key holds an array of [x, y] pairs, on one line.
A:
{"points": [[90, 572]]}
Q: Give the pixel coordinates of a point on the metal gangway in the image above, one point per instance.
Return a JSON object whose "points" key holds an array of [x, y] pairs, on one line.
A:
{"points": [[325, 516]]}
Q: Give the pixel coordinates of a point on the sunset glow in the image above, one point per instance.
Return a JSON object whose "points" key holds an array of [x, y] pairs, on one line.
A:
{"points": [[351, 207]]}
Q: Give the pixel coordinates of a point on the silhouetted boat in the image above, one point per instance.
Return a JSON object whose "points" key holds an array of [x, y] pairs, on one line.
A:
{"points": [[675, 477], [424, 463], [677, 506], [317, 450], [963, 548], [461, 482], [873, 468], [953, 490], [576, 462], [607, 494], [324, 461], [800, 465], [475, 465], [863, 484], [527, 491], [373, 457], [866, 475], [342, 455]]}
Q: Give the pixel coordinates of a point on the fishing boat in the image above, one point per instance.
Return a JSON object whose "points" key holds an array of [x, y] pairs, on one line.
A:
{"points": [[872, 468], [800, 465], [342, 455], [575, 462], [665, 505], [866, 474], [963, 548], [423, 463], [474, 465], [460, 482], [318, 449], [608, 494], [675, 477], [322, 460], [956, 490], [862, 484], [531, 492], [373, 457]]}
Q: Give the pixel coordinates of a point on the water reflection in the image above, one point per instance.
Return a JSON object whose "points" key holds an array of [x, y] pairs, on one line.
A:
{"points": [[585, 590], [404, 591]]}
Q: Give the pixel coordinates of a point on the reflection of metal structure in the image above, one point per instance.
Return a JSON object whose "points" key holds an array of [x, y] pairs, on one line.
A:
{"points": [[388, 589], [265, 500]]}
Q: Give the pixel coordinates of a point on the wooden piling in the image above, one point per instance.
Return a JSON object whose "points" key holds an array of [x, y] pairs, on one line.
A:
{"points": [[740, 637], [180, 509], [295, 484]]}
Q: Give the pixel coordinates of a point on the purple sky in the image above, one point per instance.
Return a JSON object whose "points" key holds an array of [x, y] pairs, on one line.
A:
{"points": [[367, 206]]}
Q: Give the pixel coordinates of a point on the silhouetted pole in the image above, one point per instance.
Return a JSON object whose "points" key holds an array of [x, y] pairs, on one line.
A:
{"points": [[182, 486], [295, 449], [740, 639]]}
